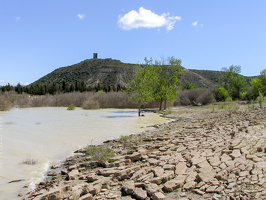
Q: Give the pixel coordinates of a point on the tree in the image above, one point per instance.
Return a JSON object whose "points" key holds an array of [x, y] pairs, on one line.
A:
{"points": [[140, 87], [263, 81], [233, 81], [166, 85], [155, 82]]}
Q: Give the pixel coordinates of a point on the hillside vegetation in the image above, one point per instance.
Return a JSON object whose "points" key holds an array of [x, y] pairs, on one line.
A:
{"points": [[97, 74]]}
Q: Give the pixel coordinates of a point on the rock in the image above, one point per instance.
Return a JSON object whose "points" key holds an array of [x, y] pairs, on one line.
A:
{"points": [[158, 171], [157, 180], [197, 191], [95, 189], [72, 167], [151, 188], [64, 172], [129, 187], [197, 159], [204, 166], [206, 176], [215, 161], [191, 177], [211, 189], [168, 167], [134, 157], [168, 175], [225, 158], [54, 194], [178, 182], [86, 197], [73, 174], [140, 193], [139, 173], [158, 196], [92, 177], [146, 177], [190, 185], [55, 166], [261, 165], [236, 153], [244, 173], [153, 161], [51, 173], [181, 168], [107, 171]]}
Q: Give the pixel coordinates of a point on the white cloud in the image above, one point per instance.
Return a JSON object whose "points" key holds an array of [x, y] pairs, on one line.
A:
{"points": [[194, 23], [4, 83], [81, 16], [146, 19], [18, 18]]}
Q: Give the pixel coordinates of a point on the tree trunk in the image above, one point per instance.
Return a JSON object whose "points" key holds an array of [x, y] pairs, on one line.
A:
{"points": [[165, 104], [139, 111], [161, 105]]}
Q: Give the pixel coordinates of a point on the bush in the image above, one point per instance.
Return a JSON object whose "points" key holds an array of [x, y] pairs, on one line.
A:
{"points": [[90, 105], [243, 95], [222, 94], [5, 104], [71, 107], [100, 153], [195, 97], [261, 99]]}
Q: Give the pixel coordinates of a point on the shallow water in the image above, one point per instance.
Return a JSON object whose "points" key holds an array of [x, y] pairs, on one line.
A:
{"points": [[49, 135]]}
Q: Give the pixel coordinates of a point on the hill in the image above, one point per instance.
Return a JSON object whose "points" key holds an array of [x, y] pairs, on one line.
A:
{"points": [[92, 72], [105, 72]]}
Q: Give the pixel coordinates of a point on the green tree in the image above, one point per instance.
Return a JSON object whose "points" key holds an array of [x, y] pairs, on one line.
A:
{"points": [[257, 86], [263, 81], [167, 80], [233, 81], [140, 88], [155, 82]]}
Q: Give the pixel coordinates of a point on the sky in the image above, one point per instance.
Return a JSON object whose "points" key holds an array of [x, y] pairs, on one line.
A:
{"points": [[37, 37]]}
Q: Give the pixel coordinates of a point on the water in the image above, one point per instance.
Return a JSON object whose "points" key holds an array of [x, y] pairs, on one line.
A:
{"points": [[49, 135]]}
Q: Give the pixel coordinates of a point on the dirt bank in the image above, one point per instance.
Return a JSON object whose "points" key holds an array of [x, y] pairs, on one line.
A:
{"points": [[206, 153]]}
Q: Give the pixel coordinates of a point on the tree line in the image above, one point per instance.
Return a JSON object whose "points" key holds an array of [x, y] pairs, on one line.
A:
{"points": [[55, 88]]}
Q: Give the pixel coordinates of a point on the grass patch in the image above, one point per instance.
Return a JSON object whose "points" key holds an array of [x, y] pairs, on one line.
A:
{"points": [[71, 107], [29, 161], [100, 153]]}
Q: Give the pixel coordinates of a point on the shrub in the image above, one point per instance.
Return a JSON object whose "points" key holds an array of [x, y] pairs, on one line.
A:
{"points": [[261, 99], [222, 94], [243, 95], [5, 104], [100, 153], [195, 97], [229, 99], [90, 104], [71, 107]]}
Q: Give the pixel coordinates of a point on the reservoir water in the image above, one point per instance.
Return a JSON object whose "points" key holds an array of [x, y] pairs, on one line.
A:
{"points": [[49, 135]]}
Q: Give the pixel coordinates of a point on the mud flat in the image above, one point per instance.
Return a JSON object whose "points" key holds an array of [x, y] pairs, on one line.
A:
{"points": [[205, 153]]}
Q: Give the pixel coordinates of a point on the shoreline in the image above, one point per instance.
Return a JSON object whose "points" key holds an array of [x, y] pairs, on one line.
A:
{"points": [[171, 162]]}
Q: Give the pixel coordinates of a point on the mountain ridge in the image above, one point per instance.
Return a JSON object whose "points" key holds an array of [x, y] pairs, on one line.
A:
{"points": [[111, 72]]}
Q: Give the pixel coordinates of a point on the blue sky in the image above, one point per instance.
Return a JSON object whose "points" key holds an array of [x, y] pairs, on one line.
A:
{"points": [[36, 37]]}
